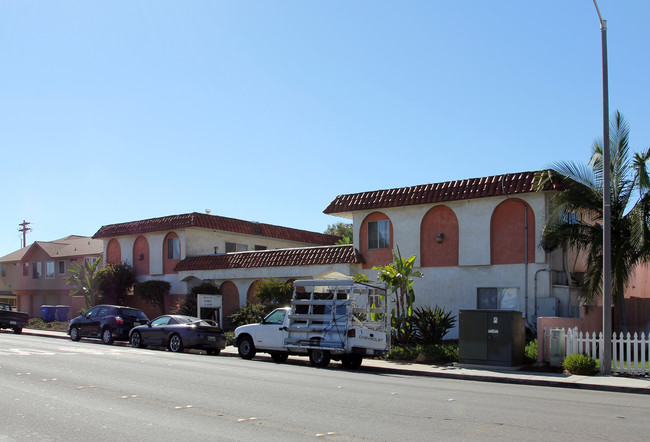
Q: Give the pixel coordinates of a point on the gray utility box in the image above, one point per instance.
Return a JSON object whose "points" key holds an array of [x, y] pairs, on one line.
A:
{"points": [[491, 337]]}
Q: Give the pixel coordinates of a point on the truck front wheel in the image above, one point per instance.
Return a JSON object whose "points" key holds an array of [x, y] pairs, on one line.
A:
{"points": [[319, 358], [246, 347]]}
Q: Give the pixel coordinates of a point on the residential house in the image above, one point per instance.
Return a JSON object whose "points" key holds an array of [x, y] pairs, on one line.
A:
{"points": [[33, 276], [186, 250]]}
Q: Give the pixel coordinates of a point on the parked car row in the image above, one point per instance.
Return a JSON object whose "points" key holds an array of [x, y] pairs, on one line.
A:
{"points": [[176, 332]]}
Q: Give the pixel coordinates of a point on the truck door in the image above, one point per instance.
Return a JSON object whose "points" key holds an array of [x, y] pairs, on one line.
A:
{"points": [[271, 333]]}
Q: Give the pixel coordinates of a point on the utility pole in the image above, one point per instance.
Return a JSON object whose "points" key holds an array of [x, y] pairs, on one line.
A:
{"points": [[606, 358], [24, 231]]}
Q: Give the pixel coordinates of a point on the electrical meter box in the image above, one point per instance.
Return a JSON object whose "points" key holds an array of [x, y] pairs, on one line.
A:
{"points": [[491, 337]]}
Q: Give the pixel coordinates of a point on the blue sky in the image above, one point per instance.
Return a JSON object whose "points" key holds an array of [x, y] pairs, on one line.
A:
{"points": [[267, 110]]}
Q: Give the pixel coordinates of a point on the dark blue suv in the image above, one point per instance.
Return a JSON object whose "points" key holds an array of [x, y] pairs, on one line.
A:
{"points": [[107, 322]]}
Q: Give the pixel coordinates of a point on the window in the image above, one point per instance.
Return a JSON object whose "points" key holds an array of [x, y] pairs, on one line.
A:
{"points": [[173, 248], [258, 247], [378, 234], [498, 298], [234, 247], [25, 269], [3, 270], [61, 267], [49, 270], [90, 260], [37, 269]]}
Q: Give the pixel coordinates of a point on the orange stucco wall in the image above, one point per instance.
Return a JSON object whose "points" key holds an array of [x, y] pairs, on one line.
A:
{"points": [[507, 241], [113, 252], [229, 298], [375, 257], [250, 295], [141, 256], [440, 219]]}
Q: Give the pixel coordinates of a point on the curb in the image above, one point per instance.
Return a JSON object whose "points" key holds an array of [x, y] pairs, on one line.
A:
{"points": [[478, 376]]}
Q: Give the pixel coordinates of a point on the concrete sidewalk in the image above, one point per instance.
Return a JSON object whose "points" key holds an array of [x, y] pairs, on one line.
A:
{"points": [[613, 383]]}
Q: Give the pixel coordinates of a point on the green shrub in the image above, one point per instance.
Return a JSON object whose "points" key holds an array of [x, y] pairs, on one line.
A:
{"points": [[530, 352], [250, 314], [441, 353], [403, 353], [579, 363], [431, 325]]}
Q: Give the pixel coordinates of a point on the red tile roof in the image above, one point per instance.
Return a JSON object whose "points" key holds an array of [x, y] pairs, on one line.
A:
{"points": [[342, 254], [213, 222], [512, 184]]}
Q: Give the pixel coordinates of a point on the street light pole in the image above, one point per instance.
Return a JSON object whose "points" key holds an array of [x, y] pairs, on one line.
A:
{"points": [[606, 354]]}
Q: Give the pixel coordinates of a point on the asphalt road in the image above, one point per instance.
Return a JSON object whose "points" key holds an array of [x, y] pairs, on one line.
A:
{"points": [[61, 390]]}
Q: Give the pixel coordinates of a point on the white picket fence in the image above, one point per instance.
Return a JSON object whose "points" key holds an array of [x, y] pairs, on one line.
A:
{"points": [[629, 353]]}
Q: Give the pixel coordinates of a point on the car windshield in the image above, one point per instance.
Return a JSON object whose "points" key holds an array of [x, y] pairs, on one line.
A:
{"points": [[134, 314]]}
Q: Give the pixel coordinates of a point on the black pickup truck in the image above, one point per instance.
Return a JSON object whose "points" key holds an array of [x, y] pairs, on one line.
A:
{"points": [[11, 319]]}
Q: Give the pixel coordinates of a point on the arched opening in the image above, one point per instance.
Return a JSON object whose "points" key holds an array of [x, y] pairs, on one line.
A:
{"points": [[250, 295], [229, 299], [508, 239], [439, 238], [113, 252], [171, 252], [376, 240], [141, 256]]}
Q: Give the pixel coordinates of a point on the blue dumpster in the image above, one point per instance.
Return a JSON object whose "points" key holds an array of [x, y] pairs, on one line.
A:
{"points": [[62, 312], [48, 312]]}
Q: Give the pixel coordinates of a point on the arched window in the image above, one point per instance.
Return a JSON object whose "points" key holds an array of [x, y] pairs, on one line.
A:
{"points": [[508, 244], [113, 252], [376, 240], [439, 238], [171, 252], [141, 256]]}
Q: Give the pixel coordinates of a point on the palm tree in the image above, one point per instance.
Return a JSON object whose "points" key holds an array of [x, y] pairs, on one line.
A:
{"points": [[582, 193], [84, 279], [398, 276]]}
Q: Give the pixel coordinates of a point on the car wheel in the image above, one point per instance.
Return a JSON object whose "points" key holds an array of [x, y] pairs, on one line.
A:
{"points": [[246, 348], [18, 330], [214, 351], [74, 334], [136, 340], [319, 358], [279, 356], [176, 344], [351, 362], [107, 336]]}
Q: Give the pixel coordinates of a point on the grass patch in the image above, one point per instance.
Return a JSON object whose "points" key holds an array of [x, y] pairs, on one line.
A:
{"points": [[39, 324]]}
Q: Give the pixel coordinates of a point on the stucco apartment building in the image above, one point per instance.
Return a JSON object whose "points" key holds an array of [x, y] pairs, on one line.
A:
{"points": [[33, 276], [186, 250], [476, 242]]}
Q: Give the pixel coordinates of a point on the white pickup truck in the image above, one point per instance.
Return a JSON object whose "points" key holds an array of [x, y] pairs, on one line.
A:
{"points": [[328, 319]]}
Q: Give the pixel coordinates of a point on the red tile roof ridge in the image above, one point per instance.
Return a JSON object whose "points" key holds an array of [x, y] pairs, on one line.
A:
{"points": [[469, 188], [214, 222]]}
